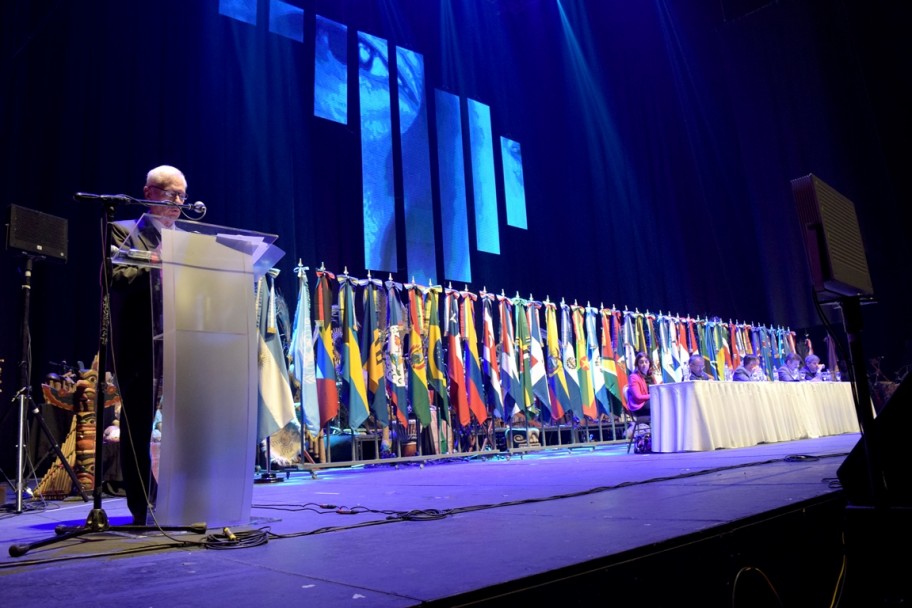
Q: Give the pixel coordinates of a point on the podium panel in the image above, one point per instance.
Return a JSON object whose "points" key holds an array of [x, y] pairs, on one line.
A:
{"points": [[209, 380]]}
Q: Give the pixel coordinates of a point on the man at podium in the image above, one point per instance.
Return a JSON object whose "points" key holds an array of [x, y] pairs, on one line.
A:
{"points": [[132, 331]]}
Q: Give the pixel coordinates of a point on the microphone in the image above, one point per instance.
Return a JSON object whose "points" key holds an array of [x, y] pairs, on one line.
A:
{"points": [[198, 206], [105, 198]]}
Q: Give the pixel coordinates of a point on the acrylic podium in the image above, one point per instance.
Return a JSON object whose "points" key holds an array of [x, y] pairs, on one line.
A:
{"points": [[207, 365]]}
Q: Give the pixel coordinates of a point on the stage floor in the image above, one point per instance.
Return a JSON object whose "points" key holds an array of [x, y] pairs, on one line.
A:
{"points": [[440, 533]]}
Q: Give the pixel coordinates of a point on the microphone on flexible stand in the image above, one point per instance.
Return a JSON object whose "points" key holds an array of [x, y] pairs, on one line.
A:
{"points": [[198, 207], [105, 198]]}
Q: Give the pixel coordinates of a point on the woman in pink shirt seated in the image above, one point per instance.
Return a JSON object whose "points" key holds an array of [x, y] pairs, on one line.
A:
{"points": [[638, 391]]}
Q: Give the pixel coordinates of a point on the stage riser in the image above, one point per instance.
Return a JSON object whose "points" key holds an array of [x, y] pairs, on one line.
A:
{"points": [[800, 552]]}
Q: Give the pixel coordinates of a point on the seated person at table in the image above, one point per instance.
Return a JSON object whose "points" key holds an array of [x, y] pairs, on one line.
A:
{"points": [[747, 370], [813, 369], [638, 392], [790, 372], [696, 368]]}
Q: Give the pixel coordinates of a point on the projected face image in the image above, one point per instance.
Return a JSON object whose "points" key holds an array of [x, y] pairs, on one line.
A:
{"points": [[331, 76]]}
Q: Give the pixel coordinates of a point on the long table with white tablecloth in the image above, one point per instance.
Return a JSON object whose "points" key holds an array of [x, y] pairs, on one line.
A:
{"points": [[701, 416]]}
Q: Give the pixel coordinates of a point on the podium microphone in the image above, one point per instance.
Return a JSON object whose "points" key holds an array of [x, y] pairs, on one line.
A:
{"points": [[199, 208]]}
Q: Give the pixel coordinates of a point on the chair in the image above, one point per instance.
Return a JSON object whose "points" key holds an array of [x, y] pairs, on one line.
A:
{"points": [[641, 435]]}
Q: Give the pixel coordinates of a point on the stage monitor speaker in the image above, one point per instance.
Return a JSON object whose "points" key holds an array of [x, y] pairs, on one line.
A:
{"points": [[891, 425], [832, 240], [37, 233]]}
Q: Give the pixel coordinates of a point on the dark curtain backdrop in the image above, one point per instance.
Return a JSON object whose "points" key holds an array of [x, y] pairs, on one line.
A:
{"points": [[658, 142]]}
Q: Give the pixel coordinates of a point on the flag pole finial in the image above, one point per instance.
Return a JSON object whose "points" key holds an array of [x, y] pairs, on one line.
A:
{"points": [[345, 270], [368, 273], [390, 277]]}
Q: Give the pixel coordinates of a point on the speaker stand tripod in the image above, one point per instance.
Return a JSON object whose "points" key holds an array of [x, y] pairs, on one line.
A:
{"points": [[97, 520], [26, 404]]}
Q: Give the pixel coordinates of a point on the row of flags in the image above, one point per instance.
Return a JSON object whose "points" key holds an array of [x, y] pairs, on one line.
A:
{"points": [[407, 347]]}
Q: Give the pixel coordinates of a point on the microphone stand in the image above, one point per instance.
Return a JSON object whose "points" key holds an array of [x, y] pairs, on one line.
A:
{"points": [[27, 405], [97, 520]]}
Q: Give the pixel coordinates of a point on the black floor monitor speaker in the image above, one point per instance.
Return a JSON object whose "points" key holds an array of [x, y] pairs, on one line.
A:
{"points": [[891, 426], [37, 233]]}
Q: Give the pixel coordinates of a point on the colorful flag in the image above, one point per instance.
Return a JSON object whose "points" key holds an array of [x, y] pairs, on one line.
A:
{"points": [[684, 352], [609, 366], [733, 341], [621, 364], [509, 367], [493, 389], [721, 352], [276, 403], [668, 353], [395, 352], [594, 348], [587, 393], [417, 382], [707, 348], [630, 341], [557, 380], [766, 352], [472, 360], [354, 391], [524, 358], [324, 363], [652, 340], [302, 353], [372, 350], [456, 372], [537, 356], [693, 345], [571, 368], [436, 370]]}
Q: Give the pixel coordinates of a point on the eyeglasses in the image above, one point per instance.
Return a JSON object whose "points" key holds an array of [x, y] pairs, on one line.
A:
{"points": [[173, 195]]}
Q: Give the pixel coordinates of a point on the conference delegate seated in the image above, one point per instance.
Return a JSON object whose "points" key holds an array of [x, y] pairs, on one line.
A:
{"points": [[746, 372], [790, 372], [696, 368], [813, 369]]}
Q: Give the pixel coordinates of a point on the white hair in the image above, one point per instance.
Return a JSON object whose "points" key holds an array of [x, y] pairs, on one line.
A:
{"points": [[163, 174]]}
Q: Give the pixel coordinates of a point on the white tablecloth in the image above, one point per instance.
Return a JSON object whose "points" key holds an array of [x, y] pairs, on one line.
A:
{"points": [[701, 416]]}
